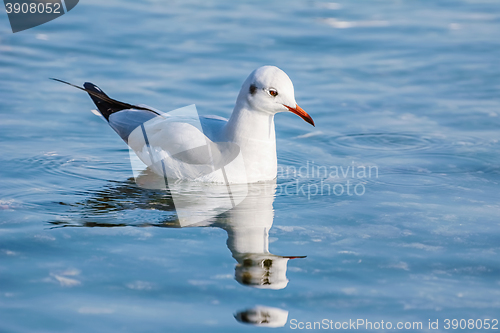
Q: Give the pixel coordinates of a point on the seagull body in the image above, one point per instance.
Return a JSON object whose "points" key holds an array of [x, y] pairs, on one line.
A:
{"points": [[241, 149]]}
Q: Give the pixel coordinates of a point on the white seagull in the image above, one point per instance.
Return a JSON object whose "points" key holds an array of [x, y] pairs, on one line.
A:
{"points": [[239, 150]]}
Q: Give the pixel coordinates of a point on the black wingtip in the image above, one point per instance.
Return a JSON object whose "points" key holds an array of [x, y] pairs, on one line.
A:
{"points": [[69, 84], [105, 104], [89, 86]]}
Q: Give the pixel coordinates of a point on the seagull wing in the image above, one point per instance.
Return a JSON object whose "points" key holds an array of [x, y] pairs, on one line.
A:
{"points": [[176, 144]]}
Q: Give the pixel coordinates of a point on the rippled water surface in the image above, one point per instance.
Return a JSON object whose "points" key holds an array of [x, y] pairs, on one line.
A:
{"points": [[393, 196]]}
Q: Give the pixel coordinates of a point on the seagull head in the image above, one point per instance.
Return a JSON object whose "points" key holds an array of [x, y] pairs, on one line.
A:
{"points": [[268, 89]]}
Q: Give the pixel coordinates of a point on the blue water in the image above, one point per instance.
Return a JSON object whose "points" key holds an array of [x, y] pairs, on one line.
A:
{"points": [[406, 89]]}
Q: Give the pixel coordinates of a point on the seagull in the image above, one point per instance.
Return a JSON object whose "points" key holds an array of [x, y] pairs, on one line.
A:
{"points": [[181, 146]]}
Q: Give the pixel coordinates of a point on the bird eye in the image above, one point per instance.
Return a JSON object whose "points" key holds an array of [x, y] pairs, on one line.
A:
{"points": [[273, 92]]}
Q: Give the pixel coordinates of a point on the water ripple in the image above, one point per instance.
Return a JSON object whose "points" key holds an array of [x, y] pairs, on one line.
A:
{"points": [[86, 168], [385, 141]]}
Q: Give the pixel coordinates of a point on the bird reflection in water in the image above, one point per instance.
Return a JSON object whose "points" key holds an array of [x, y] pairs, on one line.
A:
{"points": [[247, 225], [263, 316]]}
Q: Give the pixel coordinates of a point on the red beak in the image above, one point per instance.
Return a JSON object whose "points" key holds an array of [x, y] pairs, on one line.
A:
{"points": [[301, 113]]}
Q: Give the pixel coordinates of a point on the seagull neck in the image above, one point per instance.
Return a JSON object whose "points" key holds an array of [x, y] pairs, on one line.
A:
{"points": [[253, 131], [247, 125]]}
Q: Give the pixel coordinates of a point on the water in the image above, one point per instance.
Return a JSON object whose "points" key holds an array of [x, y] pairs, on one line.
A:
{"points": [[409, 89]]}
